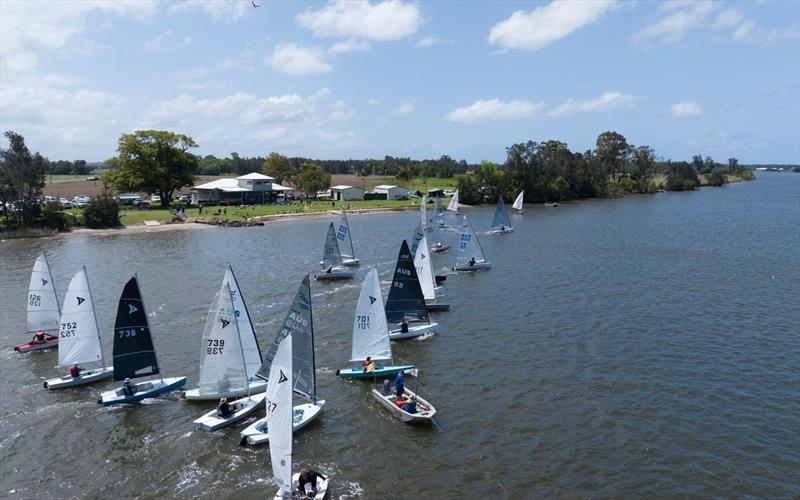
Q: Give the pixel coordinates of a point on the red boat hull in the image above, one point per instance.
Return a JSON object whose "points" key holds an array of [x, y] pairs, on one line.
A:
{"points": [[51, 341]]}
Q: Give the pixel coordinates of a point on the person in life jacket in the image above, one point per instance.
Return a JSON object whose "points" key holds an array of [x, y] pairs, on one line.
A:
{"points": [[224, 408], [128, 388], [39, 338], [368, 365], [411, 405], [308, 477], [472, 261], [404, 326], [74, 370]]}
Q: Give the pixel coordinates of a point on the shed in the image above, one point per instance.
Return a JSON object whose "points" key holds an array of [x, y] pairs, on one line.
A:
{"points": [[346, 193], [392, 192]]}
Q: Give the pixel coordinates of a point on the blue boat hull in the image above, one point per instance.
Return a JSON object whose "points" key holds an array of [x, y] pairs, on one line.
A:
{"points": [[147, 389], [379, 372]]}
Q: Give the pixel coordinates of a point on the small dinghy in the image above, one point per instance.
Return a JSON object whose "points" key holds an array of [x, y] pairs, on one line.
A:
{"points": [[332, 260], [422, 263], [439, 247], [470, 254], [518, 202], [406, 301], [43, 309], [371, 335], [216, 380], [79, 337], [239, 410], [300, 326], [279, 420], [500, 222], [424, 410], [322, 488], [134, 353]]}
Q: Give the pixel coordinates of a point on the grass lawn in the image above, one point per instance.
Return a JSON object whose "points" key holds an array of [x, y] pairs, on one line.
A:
{"points": [[422, 185]]}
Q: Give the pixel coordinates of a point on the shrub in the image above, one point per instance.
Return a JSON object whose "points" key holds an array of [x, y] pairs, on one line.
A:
{"points": [[102, 211]]}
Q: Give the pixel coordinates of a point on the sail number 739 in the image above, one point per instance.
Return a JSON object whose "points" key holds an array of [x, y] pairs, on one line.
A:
{"points": [[215, 346]]}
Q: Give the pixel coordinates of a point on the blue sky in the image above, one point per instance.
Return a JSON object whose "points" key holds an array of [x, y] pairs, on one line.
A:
{"points": [[420, 79]]}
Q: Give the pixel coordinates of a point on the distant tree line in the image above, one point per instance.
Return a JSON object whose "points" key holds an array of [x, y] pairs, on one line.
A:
{"points": [[63, 167]]}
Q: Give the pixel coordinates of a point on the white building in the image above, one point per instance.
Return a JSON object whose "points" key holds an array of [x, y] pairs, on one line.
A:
{"points": [[391, 192], [346, 193], [248, 189]]}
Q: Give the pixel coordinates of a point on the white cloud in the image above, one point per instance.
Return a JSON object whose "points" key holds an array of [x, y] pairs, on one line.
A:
{"points": [[340, 111], [429, 41], [750, 32], [404, 109], [681, 18], [533, 30], [229, 10], [387, 20], [685, 109], [296, 60], [606, 102], [728, 19], [349, 45], [494, 109], [187, 41], [372, 101], [161, 43]]}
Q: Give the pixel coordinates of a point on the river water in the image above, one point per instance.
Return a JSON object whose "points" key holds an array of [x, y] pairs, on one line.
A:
{"points": [[639, 347]]}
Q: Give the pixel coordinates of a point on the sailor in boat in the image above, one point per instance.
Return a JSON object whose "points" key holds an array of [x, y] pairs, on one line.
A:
{"points": [[399, 385], [128, 388], [410, 405], [224, 408], [368, 365], [39, 338], [75, 370], [471, 261], [329, 270], [404, 326], [308, 477], [502, 228]]}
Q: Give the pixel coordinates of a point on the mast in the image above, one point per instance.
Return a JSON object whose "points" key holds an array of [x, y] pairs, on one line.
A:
{"points": [[94, 313], [313, 355], [147, 323], [241, 348], [249, 320]]}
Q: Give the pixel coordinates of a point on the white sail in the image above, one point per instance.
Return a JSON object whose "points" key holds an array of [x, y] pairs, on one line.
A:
{"points": [[370, 333], [247, 335], [468, 245], [422, 261], [79, 338], [344, 237], [279, 415], [423, 208], [331, 256], [518, 202], [453, 205], [43, 309], [221, 363]]}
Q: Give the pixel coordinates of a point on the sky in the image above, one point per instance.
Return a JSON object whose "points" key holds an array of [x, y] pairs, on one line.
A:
{"points": [[365, 79]]}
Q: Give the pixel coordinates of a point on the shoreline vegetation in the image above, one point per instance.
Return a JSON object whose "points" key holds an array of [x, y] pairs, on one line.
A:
{"points": [[161, 163]]}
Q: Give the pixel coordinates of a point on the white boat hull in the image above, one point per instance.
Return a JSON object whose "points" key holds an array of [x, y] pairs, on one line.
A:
{"points": [[413, 331], [335, 275], [501, 231], [86, 377], [322, 488], [257, 433], [423, 416], [350, 261], [478, 266], [242, 408], [256, 385], [144, 390]]}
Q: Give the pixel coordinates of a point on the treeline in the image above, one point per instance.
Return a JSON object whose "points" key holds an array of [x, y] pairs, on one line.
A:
{"points": [[549, 171], [404, 168], [64, 167]]}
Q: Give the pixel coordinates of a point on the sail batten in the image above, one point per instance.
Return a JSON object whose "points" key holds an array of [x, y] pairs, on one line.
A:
{"points": [[79, 337], [405, 300], [43, 310], [331, 256], [134, 353]]}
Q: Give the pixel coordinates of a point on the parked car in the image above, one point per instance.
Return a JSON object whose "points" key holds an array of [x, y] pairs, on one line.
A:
{"points": [[80, 201], [449, 192], [154, 198], [65, 203], [185, 197], [50, 200]]}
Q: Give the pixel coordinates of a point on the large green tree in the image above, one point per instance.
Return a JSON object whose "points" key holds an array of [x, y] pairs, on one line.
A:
{"points": [[22, 177], [153, 161], [279, 167], [612, 151], [311, 178]]}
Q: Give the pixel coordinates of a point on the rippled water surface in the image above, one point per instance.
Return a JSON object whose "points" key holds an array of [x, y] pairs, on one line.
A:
{"points": [[645, 346]]}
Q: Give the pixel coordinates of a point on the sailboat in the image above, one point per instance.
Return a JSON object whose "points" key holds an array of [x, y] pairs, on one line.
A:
{"points": [[299, 325], [518, 201], [370, 334], [80, 336], [344, 235], [43, 308], [470, 254], [211, 387], [224, 367], [332, 260], [453, 205], [134, 352], [280, 416], [406, 301], [500, 221], [422, 263]]}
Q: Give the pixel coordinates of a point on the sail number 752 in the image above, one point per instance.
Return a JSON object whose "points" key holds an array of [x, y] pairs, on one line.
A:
{"points": [[215, 346]]}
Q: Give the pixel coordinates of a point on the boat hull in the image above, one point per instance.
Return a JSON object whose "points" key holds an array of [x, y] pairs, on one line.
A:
{"points": [[501, 231], [440, 277], [195, 395], [242, 408], [322, 488], [350, 261], [144, 390], [424, 415], [440, 249], [257, 433], [434, 307], [337, 275], [50, 341], [378, 372], [413, 331], [86, 377], [478, 266]]}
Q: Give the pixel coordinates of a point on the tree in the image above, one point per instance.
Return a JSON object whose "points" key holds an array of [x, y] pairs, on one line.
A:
{"points": [[733, 165], [311, 178], [79, 167], [153, 161], [278, 166], [612, 149], [102, 211], [22, 177]]}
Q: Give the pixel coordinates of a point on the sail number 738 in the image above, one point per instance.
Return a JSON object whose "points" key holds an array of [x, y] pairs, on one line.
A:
{"points": [[215, 346]]}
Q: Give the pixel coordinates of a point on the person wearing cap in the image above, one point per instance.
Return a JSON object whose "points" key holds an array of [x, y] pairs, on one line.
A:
{"points": [[308, 477], [128, 388], [75, 370], [368, 365], [224, 408]]}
